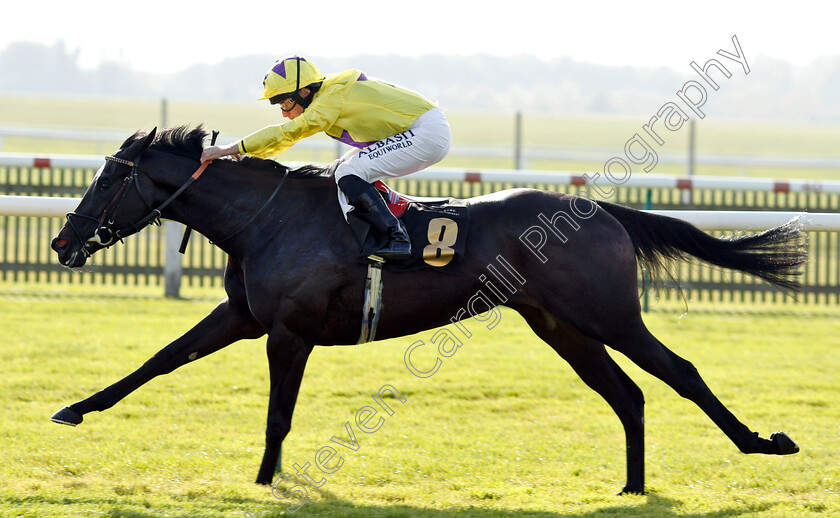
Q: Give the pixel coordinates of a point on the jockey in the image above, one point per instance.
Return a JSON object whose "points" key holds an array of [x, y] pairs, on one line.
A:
{"points": [[396, 132]]}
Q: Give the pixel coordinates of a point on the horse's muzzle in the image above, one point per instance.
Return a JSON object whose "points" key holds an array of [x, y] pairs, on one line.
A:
{"points": [[67, 256]]}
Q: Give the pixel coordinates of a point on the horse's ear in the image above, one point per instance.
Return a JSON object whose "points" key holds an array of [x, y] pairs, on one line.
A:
{"points": [[141, 144], [148, 140]]}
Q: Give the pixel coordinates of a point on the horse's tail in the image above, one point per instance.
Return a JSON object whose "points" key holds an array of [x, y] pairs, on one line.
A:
{"points": [[774, 255]]}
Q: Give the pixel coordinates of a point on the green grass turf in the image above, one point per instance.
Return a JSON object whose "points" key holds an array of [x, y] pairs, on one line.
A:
{"points": [[504, 428]]}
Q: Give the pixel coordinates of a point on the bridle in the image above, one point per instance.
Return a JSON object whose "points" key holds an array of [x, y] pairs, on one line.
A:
{"points": [[105, 235]]}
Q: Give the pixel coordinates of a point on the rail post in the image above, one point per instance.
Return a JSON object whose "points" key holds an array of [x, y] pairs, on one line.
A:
{"points": [[172, 269], [692, 157], [517, 150]]}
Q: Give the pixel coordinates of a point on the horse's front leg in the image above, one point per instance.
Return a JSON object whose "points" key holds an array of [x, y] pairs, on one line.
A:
{"points": [[226, 324], [287, 355]]}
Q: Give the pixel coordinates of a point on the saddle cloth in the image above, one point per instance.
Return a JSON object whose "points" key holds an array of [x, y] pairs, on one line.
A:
{"points": [[437, 228]]}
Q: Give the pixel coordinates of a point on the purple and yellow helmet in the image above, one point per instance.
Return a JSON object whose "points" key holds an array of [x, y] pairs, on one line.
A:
{"points": [[289, 75]]}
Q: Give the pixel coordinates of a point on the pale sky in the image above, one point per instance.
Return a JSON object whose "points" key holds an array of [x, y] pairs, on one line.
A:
{"points": [[167, 36]]}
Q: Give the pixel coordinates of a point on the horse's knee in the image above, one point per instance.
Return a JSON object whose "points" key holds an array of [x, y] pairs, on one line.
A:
{"points": [[159, 364], [632, 415], [636, 395], [634, 400], [276, 431], [689, 383], [638, 399]]}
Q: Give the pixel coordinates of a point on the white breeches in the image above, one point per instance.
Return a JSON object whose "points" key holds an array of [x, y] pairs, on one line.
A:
{"points": [[424, 143]]}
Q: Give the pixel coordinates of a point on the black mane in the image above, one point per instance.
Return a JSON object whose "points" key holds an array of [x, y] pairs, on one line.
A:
{"points": [[311, 171], [182, 140], [306, 172], [186, 141]]}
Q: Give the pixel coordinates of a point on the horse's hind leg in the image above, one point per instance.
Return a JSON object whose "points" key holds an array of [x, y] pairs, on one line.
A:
{"points": [[591, 362], [637, 343]]}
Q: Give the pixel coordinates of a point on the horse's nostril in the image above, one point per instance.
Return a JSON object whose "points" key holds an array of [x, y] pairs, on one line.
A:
{"points": [[58, 243]]}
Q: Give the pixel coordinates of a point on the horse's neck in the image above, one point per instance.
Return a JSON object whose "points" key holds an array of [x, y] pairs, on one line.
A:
{"points": [[229, 205]]}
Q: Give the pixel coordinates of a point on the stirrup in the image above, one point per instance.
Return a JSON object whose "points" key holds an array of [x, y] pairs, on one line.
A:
{"points": [[395, 251], [398, 247]]}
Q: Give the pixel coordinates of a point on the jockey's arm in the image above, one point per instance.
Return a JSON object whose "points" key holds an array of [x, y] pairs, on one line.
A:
{"points": [[213, 152]]}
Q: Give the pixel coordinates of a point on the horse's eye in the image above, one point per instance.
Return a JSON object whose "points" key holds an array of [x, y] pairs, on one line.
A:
{"points": [[104, 183]]}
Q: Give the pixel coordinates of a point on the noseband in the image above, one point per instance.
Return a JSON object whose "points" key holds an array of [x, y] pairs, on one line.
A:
{"points": [[105, 235]]}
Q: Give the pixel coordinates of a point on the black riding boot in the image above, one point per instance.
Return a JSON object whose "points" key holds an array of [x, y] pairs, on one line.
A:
{"points": [[370, 206]]}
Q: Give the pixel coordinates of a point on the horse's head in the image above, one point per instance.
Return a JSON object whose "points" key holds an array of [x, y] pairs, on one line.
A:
{"points": [[111, 207]]}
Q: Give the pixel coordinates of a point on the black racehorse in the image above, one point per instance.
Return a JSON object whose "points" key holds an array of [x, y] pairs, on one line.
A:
{"points": [[293, 274]]}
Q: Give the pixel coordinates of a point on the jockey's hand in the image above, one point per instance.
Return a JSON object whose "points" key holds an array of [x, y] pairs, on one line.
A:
{"points": [[214, 152]]}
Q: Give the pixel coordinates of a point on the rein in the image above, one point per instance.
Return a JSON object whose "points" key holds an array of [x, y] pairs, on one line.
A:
{"points": [[105, 235], [242, 227]]}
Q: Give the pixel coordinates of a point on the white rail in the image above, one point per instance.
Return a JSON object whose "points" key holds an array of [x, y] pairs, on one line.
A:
{"points": [[754, 220], [37, 206], [543, 152], [512, 176], [42, 206]]}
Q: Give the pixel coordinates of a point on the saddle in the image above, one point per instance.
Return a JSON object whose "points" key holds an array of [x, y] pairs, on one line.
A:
{"points": [[437, 228]]}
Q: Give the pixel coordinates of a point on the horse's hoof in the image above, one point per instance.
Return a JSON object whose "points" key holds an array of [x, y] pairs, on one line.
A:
{"points": [[632, 490], [786, 445], [66, 416]]}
